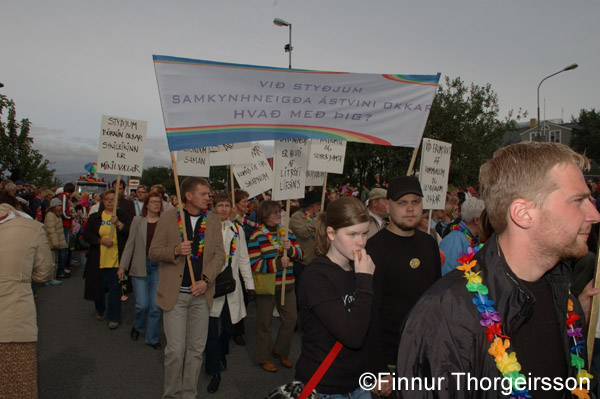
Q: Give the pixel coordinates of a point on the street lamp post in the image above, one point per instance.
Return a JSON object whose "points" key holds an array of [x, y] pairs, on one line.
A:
{"points": [[568, 68], [288, 47]]}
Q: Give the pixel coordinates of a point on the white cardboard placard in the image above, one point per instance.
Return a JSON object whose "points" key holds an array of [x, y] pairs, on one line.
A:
{"points": [[255, 177], [327, 155], [289, 167], [435, 167], [121, 146], [193, 162], [314, 178], [228, 154]]}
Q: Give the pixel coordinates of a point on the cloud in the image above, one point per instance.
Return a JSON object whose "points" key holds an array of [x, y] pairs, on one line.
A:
{"points": [[68, 155]]}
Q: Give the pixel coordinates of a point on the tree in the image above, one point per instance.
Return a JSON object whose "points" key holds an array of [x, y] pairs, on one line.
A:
{"points": [[163, 175], [18, 159], [158, 175], [587, 138], [467, 117], [365, 163]]}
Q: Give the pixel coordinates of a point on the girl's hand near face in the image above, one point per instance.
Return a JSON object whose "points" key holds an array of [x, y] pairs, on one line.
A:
{"points": [[363, 262]]}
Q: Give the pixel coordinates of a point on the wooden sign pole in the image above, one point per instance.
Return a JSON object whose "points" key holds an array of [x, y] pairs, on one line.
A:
{"points": [[116, 206], [285, 259], [180, 206], [412, 162], [324, 192], [232, 186]]}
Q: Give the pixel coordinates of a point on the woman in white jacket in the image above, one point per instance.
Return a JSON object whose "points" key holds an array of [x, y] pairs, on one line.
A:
{"points": [[230, 307]]}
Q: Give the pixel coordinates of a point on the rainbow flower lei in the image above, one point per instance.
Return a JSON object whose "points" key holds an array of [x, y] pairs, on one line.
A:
{"points": [[308, 220], [472, 240], [275, 242], [236, 229], [507, 363], [202, 230], [244, 220]]}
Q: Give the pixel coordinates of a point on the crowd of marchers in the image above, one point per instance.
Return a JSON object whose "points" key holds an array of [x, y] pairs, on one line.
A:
{"points": [[376, 283]]}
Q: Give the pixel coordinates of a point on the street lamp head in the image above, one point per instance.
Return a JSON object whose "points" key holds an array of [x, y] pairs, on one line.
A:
{"points": [[1, 85], [571, 67], [281, 22]]}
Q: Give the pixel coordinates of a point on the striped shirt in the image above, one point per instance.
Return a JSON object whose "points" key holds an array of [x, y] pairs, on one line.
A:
{"points": [[263, 255]]}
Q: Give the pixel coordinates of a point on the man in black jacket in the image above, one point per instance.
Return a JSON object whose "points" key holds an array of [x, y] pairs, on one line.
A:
{"points": [[507, 313]]}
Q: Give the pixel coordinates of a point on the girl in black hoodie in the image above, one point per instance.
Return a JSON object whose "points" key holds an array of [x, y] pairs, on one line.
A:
{"points": [[335, 301]]}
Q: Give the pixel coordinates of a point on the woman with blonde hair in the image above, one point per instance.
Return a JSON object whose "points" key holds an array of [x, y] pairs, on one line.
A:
{"points": [[335, 301]]}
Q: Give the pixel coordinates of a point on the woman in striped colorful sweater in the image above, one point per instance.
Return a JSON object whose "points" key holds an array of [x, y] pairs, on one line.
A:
{"points": [[266, 248]]}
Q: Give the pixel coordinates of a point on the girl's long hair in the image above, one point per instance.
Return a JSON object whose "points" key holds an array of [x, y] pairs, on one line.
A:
{"points": [[344, 212]]}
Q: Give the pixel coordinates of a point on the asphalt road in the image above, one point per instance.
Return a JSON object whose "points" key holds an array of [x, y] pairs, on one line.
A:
{"points": [[79, 357]]}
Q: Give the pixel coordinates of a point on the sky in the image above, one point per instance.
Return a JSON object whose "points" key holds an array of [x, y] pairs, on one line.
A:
{"points": [[66, 63]]}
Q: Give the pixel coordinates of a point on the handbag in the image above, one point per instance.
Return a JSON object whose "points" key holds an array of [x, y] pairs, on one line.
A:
{"points": [[225, 283], [297, 390], [264, 283]]}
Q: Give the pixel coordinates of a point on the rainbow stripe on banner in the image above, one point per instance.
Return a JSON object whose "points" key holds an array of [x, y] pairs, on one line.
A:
{"points": [[429, 80], [179, 138]]}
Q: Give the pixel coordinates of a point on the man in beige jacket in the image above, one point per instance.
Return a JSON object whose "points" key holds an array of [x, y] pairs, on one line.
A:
{"points": [[186, 298], [26, 257]]}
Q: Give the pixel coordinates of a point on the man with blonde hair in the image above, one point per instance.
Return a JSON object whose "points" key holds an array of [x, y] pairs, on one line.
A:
{"points": [[509, 316]]}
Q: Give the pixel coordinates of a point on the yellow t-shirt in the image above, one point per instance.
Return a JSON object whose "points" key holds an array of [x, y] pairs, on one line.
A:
{"points": [[109, 257]]}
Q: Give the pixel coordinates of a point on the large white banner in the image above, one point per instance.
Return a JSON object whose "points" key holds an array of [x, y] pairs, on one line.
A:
{"points": [[255, 177], [209, 103], [121, 146], [435, 167], [193, 162], [289, 167]]}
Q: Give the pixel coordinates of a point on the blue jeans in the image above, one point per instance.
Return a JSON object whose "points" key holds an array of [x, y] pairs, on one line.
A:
{"points": [[109, 282], [63, 254], [217, 345], [144, 289], [62, 261], [358, 393]]}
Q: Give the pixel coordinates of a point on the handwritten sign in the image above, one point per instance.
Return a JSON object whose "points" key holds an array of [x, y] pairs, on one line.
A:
{"points": [[435, 166], [289, 166], [194, 162], [228, 154], [327, 155], [122, 145], [314, 178], [254, 177]]}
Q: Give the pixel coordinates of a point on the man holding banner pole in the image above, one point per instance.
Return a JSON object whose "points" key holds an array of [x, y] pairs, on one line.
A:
{"points": [[184, 296]]}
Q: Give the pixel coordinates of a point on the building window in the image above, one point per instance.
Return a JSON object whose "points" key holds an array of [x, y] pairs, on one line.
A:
{"points": [[555, 136]]}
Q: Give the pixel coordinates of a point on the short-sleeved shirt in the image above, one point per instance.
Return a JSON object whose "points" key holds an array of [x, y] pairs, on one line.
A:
{"points": [[109, 257]]}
